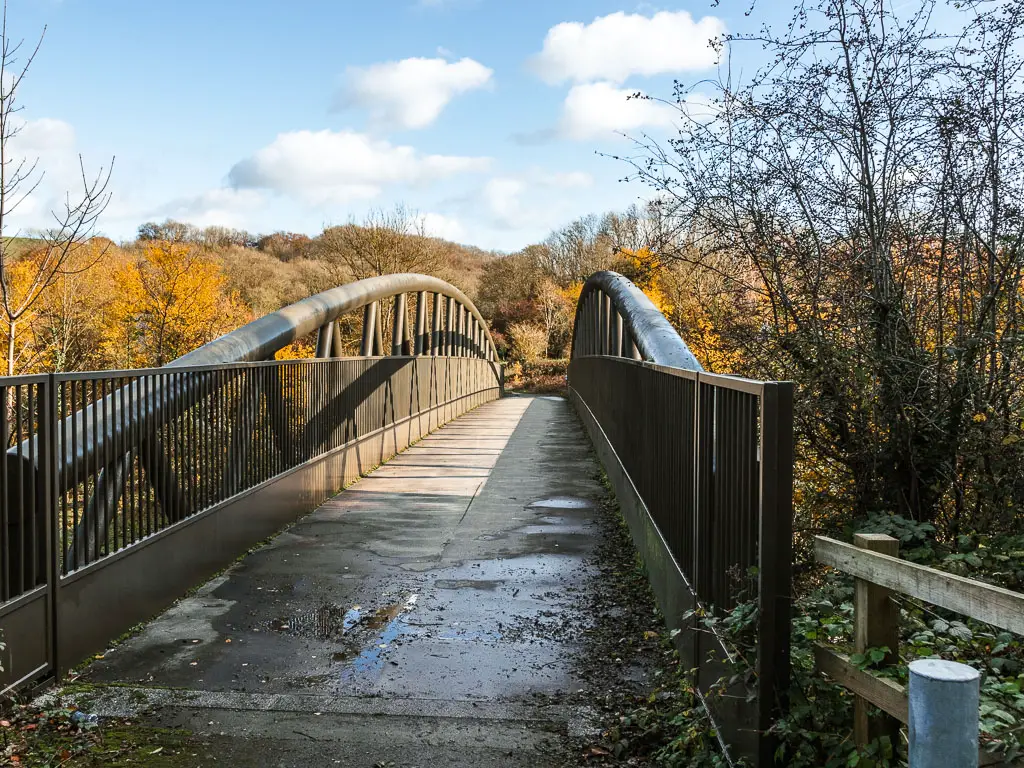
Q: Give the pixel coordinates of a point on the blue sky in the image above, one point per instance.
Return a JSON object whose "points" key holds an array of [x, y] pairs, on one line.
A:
{"points": [[484, 116]]}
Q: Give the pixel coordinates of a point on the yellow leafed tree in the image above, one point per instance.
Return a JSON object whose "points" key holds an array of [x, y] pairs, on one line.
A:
{"points": [[170, 298]]}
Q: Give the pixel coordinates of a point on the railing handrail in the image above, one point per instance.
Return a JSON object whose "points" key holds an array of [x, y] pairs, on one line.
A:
{"points": [[643, 323], [873, 560]]}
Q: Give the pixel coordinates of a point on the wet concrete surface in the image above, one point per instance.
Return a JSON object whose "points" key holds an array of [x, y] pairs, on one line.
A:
{"points": [[418, 618]]}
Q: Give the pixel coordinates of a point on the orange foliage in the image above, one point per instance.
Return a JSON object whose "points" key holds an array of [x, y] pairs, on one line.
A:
{"points": [[169, 299]]}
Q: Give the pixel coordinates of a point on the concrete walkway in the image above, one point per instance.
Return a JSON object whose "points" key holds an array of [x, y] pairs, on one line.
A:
{"points": [[419, 618]]}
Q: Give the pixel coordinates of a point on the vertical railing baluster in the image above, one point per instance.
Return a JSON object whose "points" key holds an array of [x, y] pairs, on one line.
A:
{"points": [[201, 383], [161, 511], [145, 479], [133, 440], [7, 575], [33, 438], [123, 453], [92, 552], [60, 398]]}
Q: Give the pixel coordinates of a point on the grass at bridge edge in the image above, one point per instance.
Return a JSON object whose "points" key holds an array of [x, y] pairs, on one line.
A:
{"points": [[657, 721]]}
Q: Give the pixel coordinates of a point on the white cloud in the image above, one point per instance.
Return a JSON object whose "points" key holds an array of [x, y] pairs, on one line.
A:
{"points": [[599, 110], [43, 136], [569, 180], [503, 196], [51, 146], [438, 225], [620, 45], [411, 93], [224, 207], [512, 201], [341, 166]]}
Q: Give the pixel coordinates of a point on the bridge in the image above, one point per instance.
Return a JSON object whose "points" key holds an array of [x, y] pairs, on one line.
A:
{"points": [[426, 515]]}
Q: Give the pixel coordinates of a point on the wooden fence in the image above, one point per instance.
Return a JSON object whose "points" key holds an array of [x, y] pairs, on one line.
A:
{"points": [[873, 559]]}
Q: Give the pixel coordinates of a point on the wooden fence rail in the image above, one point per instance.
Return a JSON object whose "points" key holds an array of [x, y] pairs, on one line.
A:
{"points": [[873, 559]]}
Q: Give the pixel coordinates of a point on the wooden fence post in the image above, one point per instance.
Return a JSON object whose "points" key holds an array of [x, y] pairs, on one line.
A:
{"points": [[876, 620]]}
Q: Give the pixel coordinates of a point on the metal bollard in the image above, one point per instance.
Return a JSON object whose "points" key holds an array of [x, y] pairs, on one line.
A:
{"points": [[943, 714]]}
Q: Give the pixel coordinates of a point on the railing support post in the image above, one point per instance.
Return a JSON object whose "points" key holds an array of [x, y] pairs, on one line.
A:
{"points": [[421, 324], [398, 325], [775, 560], [378, 333], [407, 339], [605, 324], [590, 323], [617, 336], [337, 349], [369, 325], [943, 727], [876, 625], [460, 338], [435, 326], [449, 325], [325, 340]]}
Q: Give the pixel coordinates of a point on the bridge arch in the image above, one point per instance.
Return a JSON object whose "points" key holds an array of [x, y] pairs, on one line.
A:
{"points": [[455, 327], [615, 318]]}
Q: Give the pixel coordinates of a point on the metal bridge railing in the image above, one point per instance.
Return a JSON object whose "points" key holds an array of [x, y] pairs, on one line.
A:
{"points": [[122, 489], [702, 466]]}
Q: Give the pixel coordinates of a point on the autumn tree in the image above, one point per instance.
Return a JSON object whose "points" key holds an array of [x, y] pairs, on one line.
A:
{"points": [[66, 329], [385, 243], [285, 246], [170, 299], [170, 230], [863, 195], [25, 277], [576, 251], [262, 281]]}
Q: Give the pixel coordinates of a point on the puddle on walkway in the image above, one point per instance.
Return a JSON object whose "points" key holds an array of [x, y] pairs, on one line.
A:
{"points": [[331, 622], [324, 623], [363, 634], [391, 623], [564, 502]]}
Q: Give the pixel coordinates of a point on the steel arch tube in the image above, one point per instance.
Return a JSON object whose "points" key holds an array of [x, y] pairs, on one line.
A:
{"points": [[261, 338], [647, 329]]}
